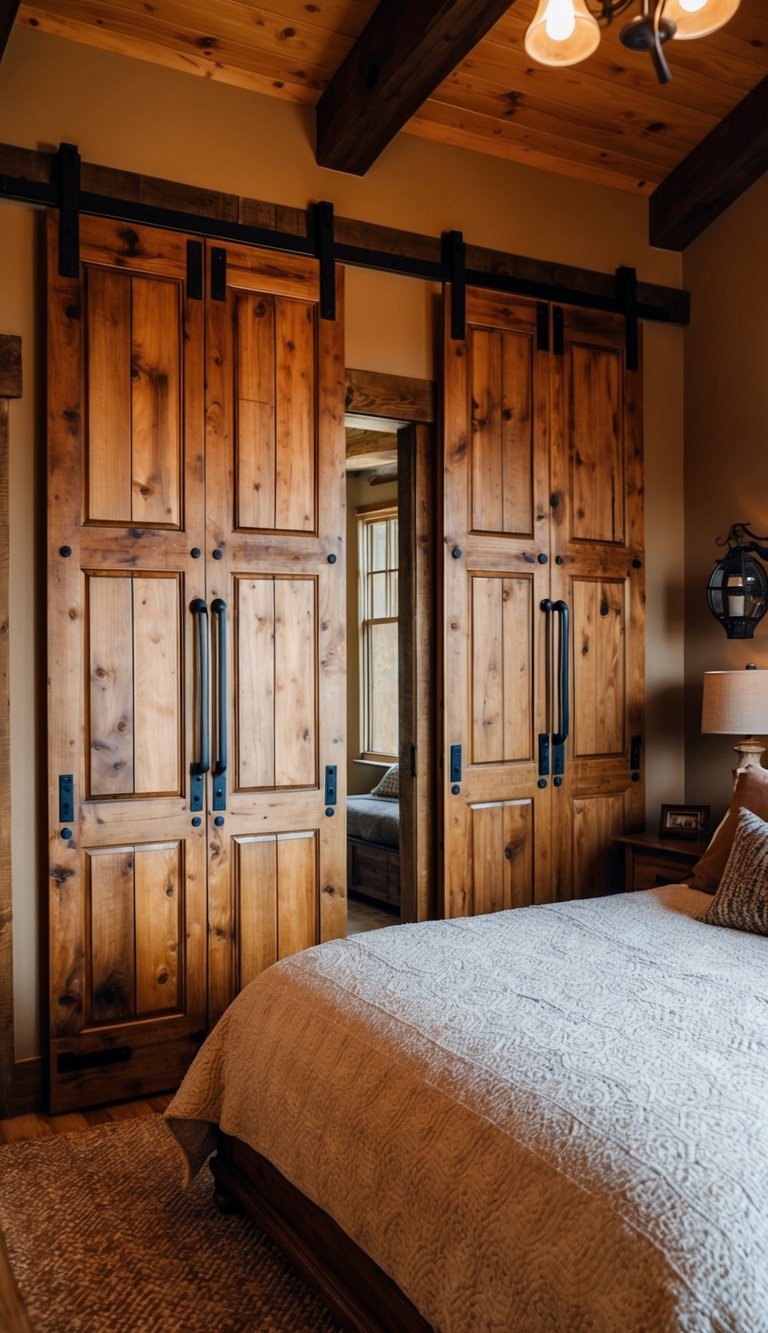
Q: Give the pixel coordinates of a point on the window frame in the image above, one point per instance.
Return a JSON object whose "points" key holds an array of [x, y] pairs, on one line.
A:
{"points": [[365, 516]]}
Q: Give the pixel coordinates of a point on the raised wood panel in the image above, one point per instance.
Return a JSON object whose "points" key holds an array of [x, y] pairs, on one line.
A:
{"points": [[501, 717], [296, 465], [157, 684], [599, 668], [156, 407], [256, 417], [255, 873], [110, 879], [596, 445], [297, 893], [502, 855], [296, 722], [108, 377], [502, 432], [158, 917], [134, 741], [277, 722], [110, 698], [595, 819]]}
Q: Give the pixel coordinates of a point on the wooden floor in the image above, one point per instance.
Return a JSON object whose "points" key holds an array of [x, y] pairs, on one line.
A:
{"points": [[363, 916], [38, 1125]]}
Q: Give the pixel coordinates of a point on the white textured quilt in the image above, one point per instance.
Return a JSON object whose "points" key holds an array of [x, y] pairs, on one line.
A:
{"points": [[547, 1119]]}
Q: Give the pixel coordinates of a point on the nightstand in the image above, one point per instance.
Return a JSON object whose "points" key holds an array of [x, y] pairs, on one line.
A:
{"points": [[650, 860]]}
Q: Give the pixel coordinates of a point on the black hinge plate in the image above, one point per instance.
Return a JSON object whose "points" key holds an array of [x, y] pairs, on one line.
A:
{"points": [[544, 754], [558, 330], [542, 327], [330, 784], [218, 273], [455, 261], [626, 279], [322, 223], [455, 763], [196, 791], [634, 751], [68, 160], [558, 758], [66, 798], [219, 792]]}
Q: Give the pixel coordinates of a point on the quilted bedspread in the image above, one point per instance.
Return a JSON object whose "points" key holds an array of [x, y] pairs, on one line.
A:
{"points": [[547, 1119]]}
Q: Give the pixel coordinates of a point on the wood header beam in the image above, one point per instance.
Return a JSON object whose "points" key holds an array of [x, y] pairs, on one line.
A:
{"points": [[397, 62], [8, 11], [719, 169]]}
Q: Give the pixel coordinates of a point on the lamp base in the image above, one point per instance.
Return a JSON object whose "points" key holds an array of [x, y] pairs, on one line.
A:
{"points": [[750, 752]]}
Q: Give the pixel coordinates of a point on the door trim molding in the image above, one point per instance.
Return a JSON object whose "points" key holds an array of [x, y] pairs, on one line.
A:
{"points": [[10, 387]]}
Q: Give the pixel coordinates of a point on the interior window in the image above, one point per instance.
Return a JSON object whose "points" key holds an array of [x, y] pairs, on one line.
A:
{"points": [[377, 534]]}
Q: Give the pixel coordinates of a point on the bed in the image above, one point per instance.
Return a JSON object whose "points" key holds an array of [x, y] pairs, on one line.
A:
{"points": [[553, 1118], [373, 842]]}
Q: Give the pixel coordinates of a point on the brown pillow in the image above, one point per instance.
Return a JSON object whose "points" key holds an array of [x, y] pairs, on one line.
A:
{"points": [[741, 902], [750, 793]]}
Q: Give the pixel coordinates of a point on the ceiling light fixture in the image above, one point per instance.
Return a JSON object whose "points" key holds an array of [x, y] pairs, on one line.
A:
{"points": [[563, 32]]}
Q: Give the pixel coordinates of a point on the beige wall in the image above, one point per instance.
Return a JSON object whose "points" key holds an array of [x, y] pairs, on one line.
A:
{"points": [[142, 118], [726, 454]]}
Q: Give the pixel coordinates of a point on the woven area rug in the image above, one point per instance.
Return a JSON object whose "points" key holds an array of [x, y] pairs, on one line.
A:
{"points": [[103, 1239]]}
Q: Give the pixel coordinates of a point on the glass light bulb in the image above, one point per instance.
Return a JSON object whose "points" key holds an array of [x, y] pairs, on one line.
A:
{"points": [[560, 20], [692, 6]]}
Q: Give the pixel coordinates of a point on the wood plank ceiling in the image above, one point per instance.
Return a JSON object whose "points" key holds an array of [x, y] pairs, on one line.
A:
{"points": [[605, 121]]}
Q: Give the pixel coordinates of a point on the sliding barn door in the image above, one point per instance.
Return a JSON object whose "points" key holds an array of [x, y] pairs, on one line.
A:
{"points": [[125, 508], [598, 576], [542, 621], [196, 646], [495, 816], [275, 458]]}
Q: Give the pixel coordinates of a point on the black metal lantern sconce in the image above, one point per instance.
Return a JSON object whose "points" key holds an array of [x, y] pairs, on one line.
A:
{"points": [[737, 592]]}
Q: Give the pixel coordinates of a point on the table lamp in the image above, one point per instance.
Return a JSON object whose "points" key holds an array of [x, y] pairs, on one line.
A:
{"points": [[736, 702]]}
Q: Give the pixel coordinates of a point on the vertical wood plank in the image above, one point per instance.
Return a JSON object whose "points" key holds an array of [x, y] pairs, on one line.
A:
{"points": [[295, 683], [487, 845], [296, 462], [158, 906], [157, 674], [255, 692], [517, 433], [487, 457], [487, 671], [297, 924], [156, 390], [7, 1053], [255, 456], [517, 656], [110, 713], [257, 881], [111, 879], [599, 668], [595, 820], [519, 842], [596, 447], [108, 404]]}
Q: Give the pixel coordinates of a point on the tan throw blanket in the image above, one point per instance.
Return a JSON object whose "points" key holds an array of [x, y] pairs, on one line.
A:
{"points": [[548, 1119]]}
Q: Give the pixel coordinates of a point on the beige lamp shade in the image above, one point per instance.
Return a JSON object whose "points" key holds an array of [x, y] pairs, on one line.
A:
{"points": [[735, 703], [562, 32], [698, 18]]}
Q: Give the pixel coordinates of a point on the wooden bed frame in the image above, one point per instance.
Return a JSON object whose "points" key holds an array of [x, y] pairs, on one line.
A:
{"points": [[357, 1292]]}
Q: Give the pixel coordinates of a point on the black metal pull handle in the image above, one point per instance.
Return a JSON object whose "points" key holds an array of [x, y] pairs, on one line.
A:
{"points": [[561, 736], [219, 610], [201, 765]]}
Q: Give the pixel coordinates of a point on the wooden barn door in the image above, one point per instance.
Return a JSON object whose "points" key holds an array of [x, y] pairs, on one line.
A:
{"points": [[542, 624], [275, 454], [159, 579]]}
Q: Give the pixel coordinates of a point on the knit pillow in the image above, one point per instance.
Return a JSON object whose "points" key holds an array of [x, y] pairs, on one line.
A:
{"points": [[741, 902], [750, 793], [389, 784]]}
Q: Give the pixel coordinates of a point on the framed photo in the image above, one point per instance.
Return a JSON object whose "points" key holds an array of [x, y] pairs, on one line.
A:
{"points": [[683, 821]]}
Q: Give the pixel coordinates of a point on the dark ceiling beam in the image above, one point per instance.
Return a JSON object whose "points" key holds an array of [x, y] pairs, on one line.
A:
{"points": [[400, 58], [8, 11], [719, 169]]}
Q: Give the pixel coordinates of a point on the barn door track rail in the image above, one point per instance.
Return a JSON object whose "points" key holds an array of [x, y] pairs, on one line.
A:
{"points": [[61, 180]]}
